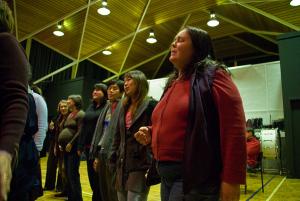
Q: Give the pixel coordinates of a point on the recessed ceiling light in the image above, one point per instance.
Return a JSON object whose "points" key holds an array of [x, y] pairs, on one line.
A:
{"points": [[106, 52], [295, 3], [151, 38], [58, 33], [213, 22], [104, 9]]}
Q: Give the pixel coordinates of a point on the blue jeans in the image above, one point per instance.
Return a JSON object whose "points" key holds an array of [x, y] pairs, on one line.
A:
{"points": [[132, 196], [172, 184], [171, 188]]}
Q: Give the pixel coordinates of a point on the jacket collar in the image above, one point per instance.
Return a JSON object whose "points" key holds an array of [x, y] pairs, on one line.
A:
{"points": [[140, 110]]}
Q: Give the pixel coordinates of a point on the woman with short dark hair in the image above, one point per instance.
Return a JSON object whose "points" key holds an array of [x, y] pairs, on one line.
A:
{"points": [[68, 143], [99, 97]]}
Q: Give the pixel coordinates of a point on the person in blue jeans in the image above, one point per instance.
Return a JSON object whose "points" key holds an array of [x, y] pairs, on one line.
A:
{"points": [[197, 132]]}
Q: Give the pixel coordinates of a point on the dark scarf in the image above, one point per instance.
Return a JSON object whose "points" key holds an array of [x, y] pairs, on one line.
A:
{"points": [[202, 157]]}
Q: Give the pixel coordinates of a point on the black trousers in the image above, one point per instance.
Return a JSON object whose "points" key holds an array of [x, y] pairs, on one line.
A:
{"points": [[106, 180], [72, 161], [93, 178], [52, 164]]}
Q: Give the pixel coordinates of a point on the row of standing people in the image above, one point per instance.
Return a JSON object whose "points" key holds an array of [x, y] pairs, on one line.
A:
{"points": [[95, 135], [65, 148], [196, 132]]}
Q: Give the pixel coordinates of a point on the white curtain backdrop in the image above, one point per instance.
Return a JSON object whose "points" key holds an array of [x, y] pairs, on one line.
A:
{"points": [[260, 89], [259, 86]]}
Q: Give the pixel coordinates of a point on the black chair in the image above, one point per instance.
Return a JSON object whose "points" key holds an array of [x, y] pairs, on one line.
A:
{"points": [[258, 168]]}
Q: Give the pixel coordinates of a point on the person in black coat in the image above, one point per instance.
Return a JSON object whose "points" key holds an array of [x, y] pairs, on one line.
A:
{"points": [[99, 97], [131, 159]]}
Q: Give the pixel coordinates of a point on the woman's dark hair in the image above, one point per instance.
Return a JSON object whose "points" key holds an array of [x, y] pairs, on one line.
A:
{"points": [[142, 88], [119, 83], [77, 101], [250, 129], [202, 44], [6, 18], [203, 57]]}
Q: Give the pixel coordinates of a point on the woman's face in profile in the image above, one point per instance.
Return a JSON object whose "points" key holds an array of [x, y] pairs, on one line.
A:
{"points": [[182, 50], [113, 92], [71, 104], [63, 108], [129, 86], [97, 95]]}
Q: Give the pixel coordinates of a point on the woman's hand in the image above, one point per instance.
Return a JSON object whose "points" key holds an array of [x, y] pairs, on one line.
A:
{"points": [[55, 151], [5, 174], [51, 125], [95, 164], [69, 147], [60, 148], [143, 136], [230, 192]]}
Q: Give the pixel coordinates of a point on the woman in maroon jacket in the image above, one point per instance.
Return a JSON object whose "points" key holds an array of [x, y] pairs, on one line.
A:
{"points": [[198, 126], [13, 96]]}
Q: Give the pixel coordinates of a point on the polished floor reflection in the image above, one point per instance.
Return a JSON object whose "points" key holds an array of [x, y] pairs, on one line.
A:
{"points": [[277, 188]]}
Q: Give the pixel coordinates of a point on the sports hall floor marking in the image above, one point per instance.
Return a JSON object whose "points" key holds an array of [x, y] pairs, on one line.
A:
{"points": [[276, 189], [259, 189], [90, 194]]}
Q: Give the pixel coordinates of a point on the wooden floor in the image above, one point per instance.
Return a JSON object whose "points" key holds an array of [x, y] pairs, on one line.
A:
{"points": [[277, 188]]}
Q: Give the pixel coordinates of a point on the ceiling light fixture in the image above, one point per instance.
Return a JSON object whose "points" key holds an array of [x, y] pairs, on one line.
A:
{"points": [[213, 22], [104, 9], [106, 52], [151, 38], [295, 3], [58, 31]]}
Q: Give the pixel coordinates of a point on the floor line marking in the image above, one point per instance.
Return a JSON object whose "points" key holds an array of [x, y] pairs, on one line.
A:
{"points": [[276, 189], [90, 194], [253, 194]]}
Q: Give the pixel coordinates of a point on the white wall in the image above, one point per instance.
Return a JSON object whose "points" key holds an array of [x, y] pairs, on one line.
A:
{"points": [[259, 86], [260, 89], [156, 87]]}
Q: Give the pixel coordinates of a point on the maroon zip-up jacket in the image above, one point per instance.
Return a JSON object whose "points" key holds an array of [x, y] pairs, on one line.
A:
{"points": [[13, 92], [170, 119]]}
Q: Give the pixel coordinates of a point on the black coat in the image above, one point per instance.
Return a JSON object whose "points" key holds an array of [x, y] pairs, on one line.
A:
{"points": [[131, 158]]}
